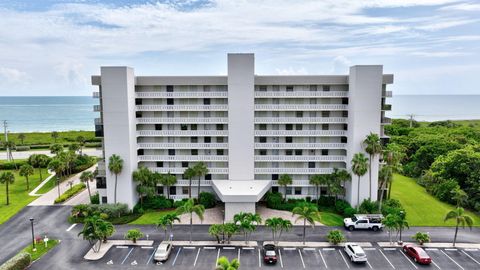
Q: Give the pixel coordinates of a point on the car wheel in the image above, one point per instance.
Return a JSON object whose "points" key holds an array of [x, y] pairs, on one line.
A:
{"points": [[375, 228], [351, 228]]}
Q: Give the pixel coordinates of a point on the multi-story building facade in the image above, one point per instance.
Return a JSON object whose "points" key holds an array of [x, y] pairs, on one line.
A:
{"points": [[248, 129]]}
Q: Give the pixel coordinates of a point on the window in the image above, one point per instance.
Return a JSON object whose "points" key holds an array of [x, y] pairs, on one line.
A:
{"points": [[298, 191], [159, 164], [104, 199], [313, 88], [325, 114], [170, 114], [220, 140], [183, 127], [263, 139], [288, 139], [324, 126], [101, 182], [138, 114], [263, 152], [299, 114], [262, 88], [160, 190], [263, 127], [194, 139], [184, 164], [138, 101], [311, 165], [289, 127], [274, 189], [298, 126], [169, 88], [193, 126], [206, 114], [185, 190], [289, 191], [326, 88], [171, 152], [208, 177], [207, 139], [158, 126], [206, 88], [345, 114], [345, 101], [345, 126], [220, 152], [289, 152], [194, 152], [276, 88], [173, 190], [274, 177], [206, 101], [219, 126], [289, 88], [343, 140], [324, 152], [169, 101], [140, 152], [298, 152]]}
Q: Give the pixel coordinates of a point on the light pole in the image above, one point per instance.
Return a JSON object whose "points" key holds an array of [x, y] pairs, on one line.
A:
{"points": [[33, 235], [402, 217]]}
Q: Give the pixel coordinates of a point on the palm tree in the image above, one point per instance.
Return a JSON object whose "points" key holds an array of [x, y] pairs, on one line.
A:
{"points": [[168, 180], [224, 264], [284, 181], [115, 166], [216, 230], [56, 148], [277, 225], [391, 224], [21, 137], [359, 168], [87, 177], [190, 208], [341, 176], [309, 213], [316, 180], [54, 136], [38, 161], [7, 178], [9, 146], [372, 147], [81, 142], [189, 174], [393, 156], [57, 166], [167, 221], [26, 170], [247, 222], [385, 176], [459, 196], [461, 219], [74, 147], [104, 229], [200, 170], [143, 178]]}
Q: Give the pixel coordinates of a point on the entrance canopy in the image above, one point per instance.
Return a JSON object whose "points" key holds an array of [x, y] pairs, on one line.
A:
{"points": [[241, 190]]}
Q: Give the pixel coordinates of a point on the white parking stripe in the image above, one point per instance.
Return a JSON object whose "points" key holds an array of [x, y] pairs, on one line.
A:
{"points": [[176, 256], [228, 247], [127, 255], [189, 247], [451, 249], [280, 256], [71, 227], [369, 265], [408, 259], [196, 258], [121, 246], [341, 254], [289, 248], [309, 249], [451, 259], [387, 259], [431, 249], [328, 249], [470, 257], [301, 258], [209, 247], [436, 265], [323, 259], [218, 255], [369, 248], [238, 257], [151, 256], [471, 249], [390, 249], [147, 247], [248, 248], [259, 259]]}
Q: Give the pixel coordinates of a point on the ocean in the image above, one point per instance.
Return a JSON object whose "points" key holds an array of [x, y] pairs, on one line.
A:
{"points": [[26, 114]]}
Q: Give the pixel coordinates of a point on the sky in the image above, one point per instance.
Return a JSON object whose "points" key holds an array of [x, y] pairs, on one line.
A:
{"points": [[52, 47]]}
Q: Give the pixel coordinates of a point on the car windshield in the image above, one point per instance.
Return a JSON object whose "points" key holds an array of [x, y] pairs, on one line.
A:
{"points": [[421, 253], [360, 254], [270, 253], [354, 219]]}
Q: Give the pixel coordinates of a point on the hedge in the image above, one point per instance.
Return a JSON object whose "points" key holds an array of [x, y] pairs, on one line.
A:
{"points": [[22, 148], [11, 165], [207, 199], [70, 193], [19, 262]]}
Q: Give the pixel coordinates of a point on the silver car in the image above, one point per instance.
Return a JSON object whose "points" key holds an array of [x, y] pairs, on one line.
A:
{"points": [[355, 252], [163, 252]]}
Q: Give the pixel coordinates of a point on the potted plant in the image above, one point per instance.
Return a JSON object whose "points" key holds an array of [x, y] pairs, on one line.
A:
{"points": [[133, 235], [421, 237]]}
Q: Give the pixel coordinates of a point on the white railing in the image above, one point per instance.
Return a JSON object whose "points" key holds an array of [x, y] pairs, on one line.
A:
{"points": [[300, 145], [294, 183], [293, 170], [300, 133], [266, 120], [178, 120], [214, 94], [98, 121], [387, 94], [187, 133], [182, 158], [386, 120], [194, 183], [178, 197], [294, 94], [182, 107], [97, 108], [300, 107], [96, 94], [183, 145], [179, 170], [300, 158]]}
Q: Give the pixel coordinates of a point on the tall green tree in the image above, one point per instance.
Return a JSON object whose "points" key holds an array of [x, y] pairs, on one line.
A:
{"points": [[168, 180], [143, 178], [105, 229], [55, 136], [115, 166], [247, 222], [189, 173], [87, 177], [21, 137], [96, 231], [200, 170], [81, 143], [26, 170], [56, 148], [39, 161], [393, 154], [7, 178], [224, 264], [278, 225], [167, 221], [391, 224], [342, 176], [190, 208], [309, 213], [359, 168], [74, 147], [316, 180], [459, 196], [216, 230], [461, 219], [373, 147], [385, 177], [58, 167], [284, 181]]}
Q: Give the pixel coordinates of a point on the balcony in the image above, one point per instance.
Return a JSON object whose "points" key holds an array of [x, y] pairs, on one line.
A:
{"points": [[293, 170], [182, 158], [183, 145], [96, 95], [301, 107], [181, 133], [387, 94], [148, 108], [301, 94], [194, 183], [182, 120], [215, 94], [305, 120], [300, 133], [98, 121], [305, 183], [300, 145], [386, 121], [97, 108], [180, 170], [300, 158], [101, 168], [386, 107]]}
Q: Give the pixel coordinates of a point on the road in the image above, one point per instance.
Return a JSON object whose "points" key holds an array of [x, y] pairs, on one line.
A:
{"points": [[26, 154]]}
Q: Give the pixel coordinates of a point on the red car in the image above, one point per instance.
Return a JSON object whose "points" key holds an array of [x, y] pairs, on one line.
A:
{"points": [[417, 253]]}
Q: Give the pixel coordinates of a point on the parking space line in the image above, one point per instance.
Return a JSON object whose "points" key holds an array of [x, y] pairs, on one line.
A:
{"points": [[341, 254], [151, 256], [408, 259], [451, 249], [71, 227], [209, 247], [323, 259], [289, 248], [176, 256], [218, 255], [390, 249], [431, 249], [147, 247], [248, 248], [309, 249], [452, 259], [228, 247], [471, 249], [470, 257], [188, 247], [369, 265], [436, 265], [387, 259], [196, 258], [369, 248], [328, 249], [259, 260], [301, 258], [121, 246], [280, 256], [238, 257], [128, 255]]}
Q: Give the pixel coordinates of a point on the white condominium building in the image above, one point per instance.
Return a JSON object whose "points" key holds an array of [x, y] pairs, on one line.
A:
{"points": [[248, 129]]}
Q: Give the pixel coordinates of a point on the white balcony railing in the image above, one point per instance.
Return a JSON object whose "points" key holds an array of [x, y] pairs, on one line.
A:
{"points": [[294, 183], [181, 133], [194, 183], [181, 108], [96, 95], [301, 107], [386, 120], [181, 120], [98, 121], [300, 145], [178, 197], [300, 158], [293, 170], [300, 133], [387, 94], [306, 120], [306, 94], [179, 170], [182, 158], [183, 145], [214, 94], [97, 108]]}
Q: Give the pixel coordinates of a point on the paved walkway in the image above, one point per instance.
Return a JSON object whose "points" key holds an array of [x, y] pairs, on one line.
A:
{"points": [[26, 154], [266, 213], [211, 216], [34, 192]]}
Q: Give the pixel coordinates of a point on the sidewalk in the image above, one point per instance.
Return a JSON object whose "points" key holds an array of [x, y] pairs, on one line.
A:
{"points": [[432, 245], [105, 247]]}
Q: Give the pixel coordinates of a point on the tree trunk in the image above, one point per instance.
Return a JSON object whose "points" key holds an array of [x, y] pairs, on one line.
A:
{"points": [[168, 192], [8, 199], [370, 178], [273, 236], [358, 192], [191, 226], [285, 194], [455, 237], [28, 184], [389, 190], [381, 196], [190, 188], [40, 172], [198, 189], [115, 192], [58, 186], [304, 228], [89, 193]]}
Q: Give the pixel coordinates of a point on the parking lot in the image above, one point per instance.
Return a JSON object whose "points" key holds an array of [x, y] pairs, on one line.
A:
{"points": [[204, 258]]}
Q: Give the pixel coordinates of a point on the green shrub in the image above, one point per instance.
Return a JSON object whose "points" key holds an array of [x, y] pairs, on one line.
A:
{"points": [[335, 237], [11, 165], [349, 212], [95, 199], [341, 205], [391, 206], [273, 199], [443, 190], [207, 199], [421, 237], [368, 207], [83, 162], [70, 193], [133, 235], [326, 201], [112, 210], [177, 204], [22, 148], [19, 262]]}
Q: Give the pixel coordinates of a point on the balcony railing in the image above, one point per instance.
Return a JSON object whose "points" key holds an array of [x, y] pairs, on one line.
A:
{"points": [[387, 94], [182, 133], [101, 168], [386, 107], [96, 95], [306, 120], [214, 94], [179, 170], [194, 183], [182, 120], [295, 183], [293, 170], [300, 133], [182, 158], [300, 158], [181, 108], [386, 120], [183, 145], [301, 107], [306, 94], [300, 145], [97, 108]]}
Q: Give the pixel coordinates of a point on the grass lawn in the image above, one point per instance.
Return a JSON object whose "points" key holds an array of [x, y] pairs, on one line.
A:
{"points": [[151, 217], [422, 208], [330, 219], [32, 138], [41, 249], [18, 194]]}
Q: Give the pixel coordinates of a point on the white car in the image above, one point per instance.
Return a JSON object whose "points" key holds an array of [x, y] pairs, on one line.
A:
{"points": [[163, 252], [355, 252]]}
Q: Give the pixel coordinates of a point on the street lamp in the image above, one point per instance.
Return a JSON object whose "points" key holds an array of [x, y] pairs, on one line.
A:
{"points": [[33, 235], [402, 218]]}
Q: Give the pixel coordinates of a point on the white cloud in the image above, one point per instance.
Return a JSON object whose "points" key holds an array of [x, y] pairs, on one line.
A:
{"points": [[291, 71], [12, 75], [340, 65], [463, 7]]}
